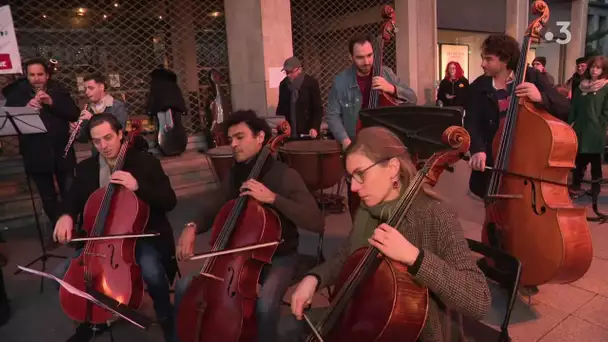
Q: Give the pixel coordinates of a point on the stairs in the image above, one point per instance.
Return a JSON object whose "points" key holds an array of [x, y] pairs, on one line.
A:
{"points": [[189, 174]]}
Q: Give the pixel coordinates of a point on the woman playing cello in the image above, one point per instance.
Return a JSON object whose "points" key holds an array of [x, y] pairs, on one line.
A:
{"points": [[430, 240]]}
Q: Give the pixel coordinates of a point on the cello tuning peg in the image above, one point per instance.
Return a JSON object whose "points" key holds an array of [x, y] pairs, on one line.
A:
{"points": [[449, 168]]}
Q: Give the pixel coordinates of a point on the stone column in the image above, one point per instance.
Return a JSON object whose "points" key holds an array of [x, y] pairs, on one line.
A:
{"points": [[259, 39], [575, 48], [517, 18], [417, 56]]}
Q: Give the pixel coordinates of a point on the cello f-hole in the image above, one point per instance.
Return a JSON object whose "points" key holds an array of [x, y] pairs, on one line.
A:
{"points": [[543, 209], [229, 291], [112, 263]]}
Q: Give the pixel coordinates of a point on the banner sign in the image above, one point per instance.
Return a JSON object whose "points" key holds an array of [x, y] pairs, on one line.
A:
{"points": [[10, 60]]}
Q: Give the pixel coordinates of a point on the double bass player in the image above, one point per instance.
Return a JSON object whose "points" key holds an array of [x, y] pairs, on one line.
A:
{"points": [[142, 174], [280, 188], [489, 101], [350, 93]]}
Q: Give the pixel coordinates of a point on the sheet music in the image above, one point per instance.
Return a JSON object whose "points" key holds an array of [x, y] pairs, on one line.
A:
{"points": [[27, 120], [79, 293]]}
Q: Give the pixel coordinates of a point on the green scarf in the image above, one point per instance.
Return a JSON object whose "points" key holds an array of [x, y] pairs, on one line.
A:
{"points": [[368, 218]]}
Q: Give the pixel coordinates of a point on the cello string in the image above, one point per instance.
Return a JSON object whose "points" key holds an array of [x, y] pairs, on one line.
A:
{"points": [[510, 120]]}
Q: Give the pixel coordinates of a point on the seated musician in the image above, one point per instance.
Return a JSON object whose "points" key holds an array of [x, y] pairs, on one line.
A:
{"points": [[281, 188], [430, 240], [142, 173]]}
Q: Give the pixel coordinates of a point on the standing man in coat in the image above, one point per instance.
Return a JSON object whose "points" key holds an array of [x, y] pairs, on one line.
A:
{"points": [[300, 100], [43, 153]]}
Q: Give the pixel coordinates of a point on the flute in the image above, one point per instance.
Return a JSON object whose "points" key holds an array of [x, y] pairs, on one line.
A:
{"points": [[73, 135]]}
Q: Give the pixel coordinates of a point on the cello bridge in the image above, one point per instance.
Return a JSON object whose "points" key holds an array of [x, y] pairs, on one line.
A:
{"points": [[97, 255]]}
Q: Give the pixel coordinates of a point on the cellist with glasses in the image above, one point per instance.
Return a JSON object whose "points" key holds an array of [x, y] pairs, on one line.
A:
{"points": [[429, 241], [143, 175]]}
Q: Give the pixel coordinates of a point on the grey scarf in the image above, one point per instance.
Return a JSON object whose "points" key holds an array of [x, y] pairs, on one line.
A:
{"points": [[294, 88], [104, 172]]}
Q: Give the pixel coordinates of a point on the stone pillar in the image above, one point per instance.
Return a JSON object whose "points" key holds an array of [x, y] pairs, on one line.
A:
{"points": [[517, 18], [417, 50], [259, 39], [575, 48]]}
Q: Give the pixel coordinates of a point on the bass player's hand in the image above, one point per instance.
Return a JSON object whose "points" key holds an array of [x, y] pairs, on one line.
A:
{"points": [[478, 161], [302, 296], [63, 229]]}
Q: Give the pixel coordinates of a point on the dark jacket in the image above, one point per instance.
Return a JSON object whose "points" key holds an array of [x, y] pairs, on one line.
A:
{"points": [[164, 93], [458, 88], [482, 118], [294, 204], [44, 152], [309, 106], [154, 189], [589, 119]]}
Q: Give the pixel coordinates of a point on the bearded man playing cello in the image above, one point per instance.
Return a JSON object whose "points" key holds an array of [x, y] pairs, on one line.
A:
{"points": [[281, 188], [143, 174]]}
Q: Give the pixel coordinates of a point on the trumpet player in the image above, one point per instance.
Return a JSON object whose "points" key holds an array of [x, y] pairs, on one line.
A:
{"points": [[43, 153], [99, 102]]}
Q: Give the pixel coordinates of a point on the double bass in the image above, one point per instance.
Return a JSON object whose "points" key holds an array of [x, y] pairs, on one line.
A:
{"points": [[113, 217], [375, 299], [529, 213], [219, 305]]}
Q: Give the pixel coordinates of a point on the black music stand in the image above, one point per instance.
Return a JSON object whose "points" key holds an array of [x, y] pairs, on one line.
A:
{"points": [[17, 121], [419, 128]]}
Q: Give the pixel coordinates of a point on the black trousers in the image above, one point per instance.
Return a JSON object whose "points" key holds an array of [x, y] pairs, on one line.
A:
{"points": [[582, 160], [45, 183]]}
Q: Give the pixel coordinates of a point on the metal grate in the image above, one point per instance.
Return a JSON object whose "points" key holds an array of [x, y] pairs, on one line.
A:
{"points": [[125, 41], [321, 30]]}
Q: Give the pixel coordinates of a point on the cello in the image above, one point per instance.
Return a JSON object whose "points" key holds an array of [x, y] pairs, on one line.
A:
{"points": [[219, 304], [214, 113], [397, 308], [529, 213], [113, 216]]}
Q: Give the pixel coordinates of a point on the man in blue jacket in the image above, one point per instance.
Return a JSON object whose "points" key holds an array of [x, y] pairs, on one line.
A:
{"points": [[351, 90], [350, 93]]}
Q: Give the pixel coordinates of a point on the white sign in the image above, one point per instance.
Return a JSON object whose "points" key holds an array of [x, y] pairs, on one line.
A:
{"points": [[10, 60], [453, 53], [275, 76]]}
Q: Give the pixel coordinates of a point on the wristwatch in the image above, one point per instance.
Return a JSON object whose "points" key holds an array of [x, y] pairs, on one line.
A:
{"points": [[190, 224]]}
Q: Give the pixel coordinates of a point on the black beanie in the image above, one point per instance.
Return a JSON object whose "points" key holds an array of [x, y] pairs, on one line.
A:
{"points": [[542, 60]]}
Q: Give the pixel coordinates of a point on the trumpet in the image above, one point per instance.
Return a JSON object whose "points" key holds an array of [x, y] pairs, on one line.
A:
{"points": [[73, 135]]}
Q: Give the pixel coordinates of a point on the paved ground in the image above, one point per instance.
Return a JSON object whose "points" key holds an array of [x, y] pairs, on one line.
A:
{"points": [[575, 312]]}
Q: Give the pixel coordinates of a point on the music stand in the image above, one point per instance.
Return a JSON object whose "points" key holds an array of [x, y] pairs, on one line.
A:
{"points": [[419, 128], [17, 121]]}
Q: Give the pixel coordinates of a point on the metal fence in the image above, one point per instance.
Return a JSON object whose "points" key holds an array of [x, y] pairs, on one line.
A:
{"points": [[126, 40], [321, 30]]}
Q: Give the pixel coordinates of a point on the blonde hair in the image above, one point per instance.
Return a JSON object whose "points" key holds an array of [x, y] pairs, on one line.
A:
{"points": [[379, 143]]}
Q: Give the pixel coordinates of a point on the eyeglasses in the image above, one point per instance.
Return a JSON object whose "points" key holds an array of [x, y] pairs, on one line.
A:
{"points": [[358, 175]]}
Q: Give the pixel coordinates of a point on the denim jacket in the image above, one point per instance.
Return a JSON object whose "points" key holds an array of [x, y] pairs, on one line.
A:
{"points": [[345, 99]]}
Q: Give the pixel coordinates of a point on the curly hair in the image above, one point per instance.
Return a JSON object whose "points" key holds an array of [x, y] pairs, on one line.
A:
{"points": [[459, 72], [505, 47]]}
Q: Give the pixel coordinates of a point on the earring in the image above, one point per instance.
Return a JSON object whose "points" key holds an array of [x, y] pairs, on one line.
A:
{"points": [[395, 184]]}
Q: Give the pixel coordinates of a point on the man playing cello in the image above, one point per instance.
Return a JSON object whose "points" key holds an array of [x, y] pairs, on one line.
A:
{"points": [[142, 173], [350, 93], [283, 189]]}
